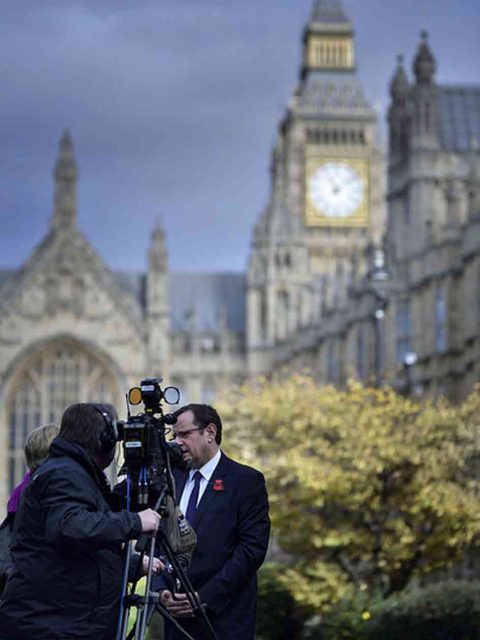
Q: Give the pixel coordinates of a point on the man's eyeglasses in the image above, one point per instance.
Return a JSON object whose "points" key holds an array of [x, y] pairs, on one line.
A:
{"points": [[183, 435]]}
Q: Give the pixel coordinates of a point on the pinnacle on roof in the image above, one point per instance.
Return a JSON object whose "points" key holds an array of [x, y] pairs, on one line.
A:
{"points": [[424, 65], [158, 254], [399, 86], [66, 167], [65, 174]]}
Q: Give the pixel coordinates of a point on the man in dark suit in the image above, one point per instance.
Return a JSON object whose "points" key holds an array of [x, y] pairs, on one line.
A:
{"points": [[227, 505]]}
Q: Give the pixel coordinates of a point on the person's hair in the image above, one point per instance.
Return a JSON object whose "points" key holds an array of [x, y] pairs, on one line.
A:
{"points": [[82, 424], [203, 415], [38, 443]]}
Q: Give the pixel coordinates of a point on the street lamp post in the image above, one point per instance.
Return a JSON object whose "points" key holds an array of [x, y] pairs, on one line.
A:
{"points": [[379, 319], [410, 359], [378, 278]]}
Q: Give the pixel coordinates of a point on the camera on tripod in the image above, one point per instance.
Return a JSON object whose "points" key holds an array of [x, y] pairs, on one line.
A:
{"points": [[148, 463], [145, 449]]}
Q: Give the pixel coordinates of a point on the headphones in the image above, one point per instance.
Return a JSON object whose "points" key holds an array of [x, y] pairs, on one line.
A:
{"points": [[109, 436]]}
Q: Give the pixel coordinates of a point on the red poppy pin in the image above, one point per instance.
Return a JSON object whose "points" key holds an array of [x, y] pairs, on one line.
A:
{"points": [[218, 485]]}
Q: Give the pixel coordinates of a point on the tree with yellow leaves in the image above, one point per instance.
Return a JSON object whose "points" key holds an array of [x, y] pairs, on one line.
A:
{"points": [[368, 488]]}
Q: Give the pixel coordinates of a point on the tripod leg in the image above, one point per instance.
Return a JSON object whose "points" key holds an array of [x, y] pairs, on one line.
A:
{"points": [[144, 611], [124, 610], [166, 615], [188, 588]]}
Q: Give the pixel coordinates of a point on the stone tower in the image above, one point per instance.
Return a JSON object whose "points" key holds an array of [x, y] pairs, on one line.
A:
{"points": [[328, 185]]}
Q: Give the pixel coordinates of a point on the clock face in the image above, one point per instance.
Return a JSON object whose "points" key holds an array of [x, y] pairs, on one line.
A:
{"points": [[336, 190]]}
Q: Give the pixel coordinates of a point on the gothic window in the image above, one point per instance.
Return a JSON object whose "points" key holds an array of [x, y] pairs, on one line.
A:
{"points": [[324, 293], [263, 315], [44, 386], [332, 362], [305, 307], [440, 319], [403, 330], [361, 351], [282, 317]]}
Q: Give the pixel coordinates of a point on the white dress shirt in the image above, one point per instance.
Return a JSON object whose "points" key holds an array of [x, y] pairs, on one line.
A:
{"points": [[206, 472]]}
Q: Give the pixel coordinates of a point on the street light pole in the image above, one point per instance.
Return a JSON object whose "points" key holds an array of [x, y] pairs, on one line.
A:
{"points": [[379, 318], [378, 278], [410, 359]]}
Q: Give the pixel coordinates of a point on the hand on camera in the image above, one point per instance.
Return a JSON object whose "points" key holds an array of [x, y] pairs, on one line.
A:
{"points": [[177, 605], [150, 521]]}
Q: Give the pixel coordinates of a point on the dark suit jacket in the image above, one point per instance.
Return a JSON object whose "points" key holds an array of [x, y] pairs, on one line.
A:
{"points": [[232, 527]]}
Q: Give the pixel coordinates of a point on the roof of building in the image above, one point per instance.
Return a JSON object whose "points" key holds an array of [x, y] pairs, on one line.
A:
{"points": [[202, 299], [329, 12], [459, 121], [198, 300]]}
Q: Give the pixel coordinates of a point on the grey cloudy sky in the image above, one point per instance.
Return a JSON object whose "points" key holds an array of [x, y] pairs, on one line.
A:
{"points": [[173, 106]]}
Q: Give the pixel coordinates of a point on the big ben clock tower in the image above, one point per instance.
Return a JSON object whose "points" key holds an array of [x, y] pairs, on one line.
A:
{"points": [[328, 179]]}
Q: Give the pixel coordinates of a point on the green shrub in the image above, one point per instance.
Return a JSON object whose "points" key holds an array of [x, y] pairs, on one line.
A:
{"points": [[279, 617], [347, 619], [443, 611]]}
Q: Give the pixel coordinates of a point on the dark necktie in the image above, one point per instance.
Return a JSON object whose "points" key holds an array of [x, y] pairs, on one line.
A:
{"points": [[192, 502]]}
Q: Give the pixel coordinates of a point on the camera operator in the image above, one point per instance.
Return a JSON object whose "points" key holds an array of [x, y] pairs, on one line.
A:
{"points": [[226, 503], [66, 552]]}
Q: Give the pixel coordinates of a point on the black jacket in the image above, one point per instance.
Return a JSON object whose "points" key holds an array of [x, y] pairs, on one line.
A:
{"points": [[66, 553], [232, 527]]}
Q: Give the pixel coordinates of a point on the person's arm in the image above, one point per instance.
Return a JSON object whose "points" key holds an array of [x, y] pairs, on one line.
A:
{"points": [[72, 515], [253, 535]]}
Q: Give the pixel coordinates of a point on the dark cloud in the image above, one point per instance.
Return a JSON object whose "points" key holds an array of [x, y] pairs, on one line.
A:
{"points": [[173, 106]]}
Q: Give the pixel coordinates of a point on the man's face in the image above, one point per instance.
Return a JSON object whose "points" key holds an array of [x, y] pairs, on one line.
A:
{"points": [[198, 445]]}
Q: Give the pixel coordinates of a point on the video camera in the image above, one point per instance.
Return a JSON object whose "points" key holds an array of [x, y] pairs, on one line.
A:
{"points": [[148, 463], [146, 452]]}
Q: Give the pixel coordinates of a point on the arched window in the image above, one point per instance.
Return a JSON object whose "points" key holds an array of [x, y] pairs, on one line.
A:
{"points": [[440, 319], [332, 362], [361, 354], [43, 386], [282, 315]]}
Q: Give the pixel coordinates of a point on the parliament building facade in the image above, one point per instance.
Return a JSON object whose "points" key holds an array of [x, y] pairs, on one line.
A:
{"points": [[365, 263]]}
